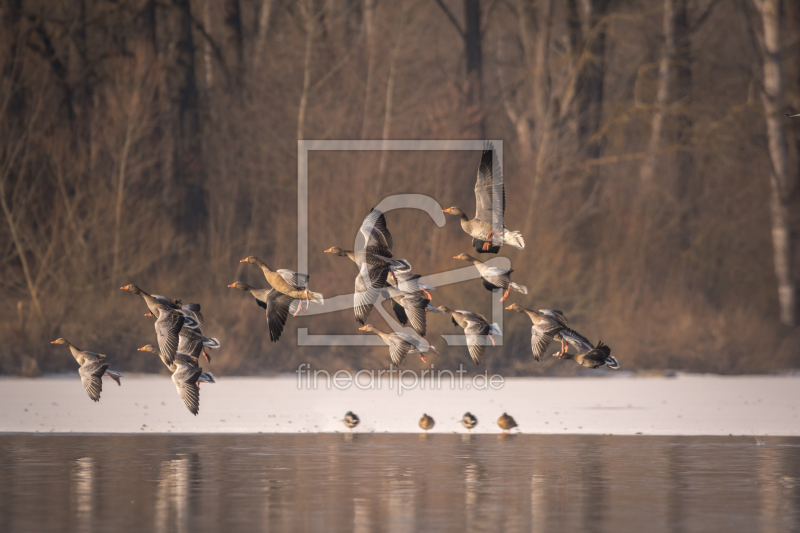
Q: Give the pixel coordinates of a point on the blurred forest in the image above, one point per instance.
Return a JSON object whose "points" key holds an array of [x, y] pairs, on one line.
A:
{"points": [[648, 160]]}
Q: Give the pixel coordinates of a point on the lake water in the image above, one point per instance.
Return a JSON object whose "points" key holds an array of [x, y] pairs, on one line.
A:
{"points": [[390, 482]]}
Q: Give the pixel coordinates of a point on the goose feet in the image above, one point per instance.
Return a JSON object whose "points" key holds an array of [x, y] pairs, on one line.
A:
{"points": [[505, 294], [428, 295], [423, 358], [491, 339], [488, 243]]}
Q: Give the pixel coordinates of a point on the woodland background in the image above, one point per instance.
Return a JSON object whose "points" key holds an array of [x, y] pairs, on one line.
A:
{"points": [[648, 160]]}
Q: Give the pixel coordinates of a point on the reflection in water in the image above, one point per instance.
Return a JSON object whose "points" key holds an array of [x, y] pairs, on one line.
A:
{"points": [[82, 493], [368, 482]]}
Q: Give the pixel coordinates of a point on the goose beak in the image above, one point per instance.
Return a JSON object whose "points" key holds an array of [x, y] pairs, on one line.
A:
{"points": [[232, 285], [53, 342], [125, 288], [148, 314], [243, 261], [510, 306], [456, 257], [363, 328], [329, 250], [140, 349], [446, 210]]}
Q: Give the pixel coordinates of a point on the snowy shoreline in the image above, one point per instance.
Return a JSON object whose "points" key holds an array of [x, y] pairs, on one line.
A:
{"points": [[618, 405]]}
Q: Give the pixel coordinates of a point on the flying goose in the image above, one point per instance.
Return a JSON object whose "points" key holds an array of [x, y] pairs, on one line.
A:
{"points": [[191, 312], [549, 325], [401, 344], [488, 186], [594, 358], [410, 307], [494, 278], [187, 376], [476, 329], [275, 303], [93, 367], [287, 282], [374, 263]]}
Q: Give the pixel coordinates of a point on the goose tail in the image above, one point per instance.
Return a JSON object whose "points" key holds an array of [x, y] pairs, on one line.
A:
{"points": [[206, 377], [514, 238], [211, 343], [400, 265], [519, 288], [316, 297], [113, 374], [494, 329], [612, 363]]}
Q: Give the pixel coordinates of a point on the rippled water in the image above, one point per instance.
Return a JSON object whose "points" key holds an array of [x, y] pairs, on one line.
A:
{"points": [[363, 482]]}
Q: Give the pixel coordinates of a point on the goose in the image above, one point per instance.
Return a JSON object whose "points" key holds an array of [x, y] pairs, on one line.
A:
{"points": [[469, 421], [426, 422], [401, 344], [186, 375], [476, 329], [374, 263], [594, 358], [351, 420], [549, 325], [276, 304], [191, 312], [93, 367], [494, 278], [408, 282], [409, 307], [287, 282], [506, 423], [200, 341], [488, 185]]}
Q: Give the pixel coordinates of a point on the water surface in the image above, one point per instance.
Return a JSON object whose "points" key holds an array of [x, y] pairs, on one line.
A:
{"points": [[380, 482]]}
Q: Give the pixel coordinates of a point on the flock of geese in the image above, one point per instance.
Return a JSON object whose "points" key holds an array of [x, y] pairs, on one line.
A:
{"points": [[180, 341], [469, 421]]}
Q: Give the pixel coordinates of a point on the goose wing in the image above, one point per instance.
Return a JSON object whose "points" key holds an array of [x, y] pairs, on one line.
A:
{"points": [[415, 307], [369, 282], [556, 315], [399, 348], [277, 313], [168, 327], [91, 373], [542, 335], [376, 234], [295, 279], [185, 378], [476, 332], [399, 312], [575, 339], [488, 186], [189, 342]]}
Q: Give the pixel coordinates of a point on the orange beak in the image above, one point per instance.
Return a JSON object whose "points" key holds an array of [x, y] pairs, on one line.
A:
{"points": [[140, 349], [52, 342], [243, 261], [446, 210], [232, 285], [125, 288], [456, 257], [328, 250], [148, 314], [510, 306], [363, 327]]}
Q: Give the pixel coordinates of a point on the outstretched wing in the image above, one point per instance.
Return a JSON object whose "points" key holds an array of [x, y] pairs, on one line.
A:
{"points": [[185, 378], [488, 186], [541, 336], [575, 339], [415, 307], [295, 279], [378, 238], [190, 342], [369, 281], [277, 313], [168, 327], [398, 349], [91, 373], [399, 312], [556, 315]]}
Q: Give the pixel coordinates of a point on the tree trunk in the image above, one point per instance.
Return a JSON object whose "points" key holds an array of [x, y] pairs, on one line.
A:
{"points": [[369, 26], [780, 180], [474, 58], [189, 170], [264, 18], [233, 22], [310, 28]]}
